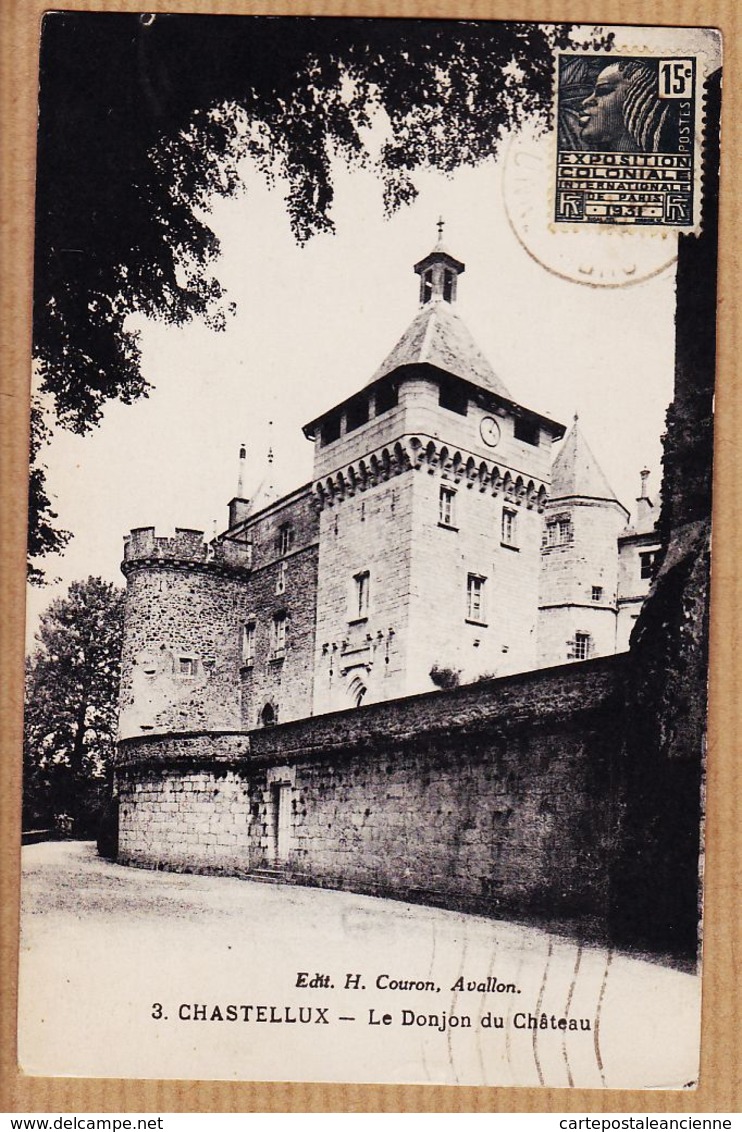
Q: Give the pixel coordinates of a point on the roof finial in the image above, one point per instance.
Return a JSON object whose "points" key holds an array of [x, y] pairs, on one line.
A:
{"points": [[440, 225], [241, 475], [576, 417], [270, 444], [644, 473]]}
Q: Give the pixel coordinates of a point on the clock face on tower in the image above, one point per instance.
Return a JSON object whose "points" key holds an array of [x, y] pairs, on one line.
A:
{"points": [[489, 430]]}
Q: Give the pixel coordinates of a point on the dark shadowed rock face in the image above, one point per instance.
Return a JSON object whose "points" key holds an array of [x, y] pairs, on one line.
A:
{"points": [[655, 885]]}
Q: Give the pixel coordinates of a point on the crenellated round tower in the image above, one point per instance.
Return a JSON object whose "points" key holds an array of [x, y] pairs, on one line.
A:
{"points": [[184, 615]]}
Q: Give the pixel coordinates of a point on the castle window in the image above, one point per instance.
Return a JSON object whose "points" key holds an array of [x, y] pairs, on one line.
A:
{"points": [[559, 532], [647, 560], [331, 429], [582, 646], [281, 578], [186, 666], [452, 395], [597, 593], [448, 285], [475, 603], [447, 507], [509, 536], [527, 431], [361, 595], [356, 414], [248, 644], [426, 287], [387, 397], [285, 538], [268, 716], [278, 637]]}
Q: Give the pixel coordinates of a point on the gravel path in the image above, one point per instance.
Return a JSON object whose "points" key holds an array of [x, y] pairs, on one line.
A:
{"points": [[128, 972]]}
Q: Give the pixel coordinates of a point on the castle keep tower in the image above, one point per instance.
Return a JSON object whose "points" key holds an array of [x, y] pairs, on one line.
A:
{"points": [[579, 558], [430, 484]]}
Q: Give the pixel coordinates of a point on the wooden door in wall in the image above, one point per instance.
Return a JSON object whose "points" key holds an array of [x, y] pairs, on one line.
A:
{"points": [[281, 840]]}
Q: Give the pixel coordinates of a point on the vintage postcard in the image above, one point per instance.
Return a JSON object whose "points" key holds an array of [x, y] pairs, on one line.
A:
{"points": [[370, 524]]}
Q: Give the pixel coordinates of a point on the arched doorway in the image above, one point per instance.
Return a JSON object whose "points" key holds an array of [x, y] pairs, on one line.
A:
{"points": [[357, 691], [268, 715]]}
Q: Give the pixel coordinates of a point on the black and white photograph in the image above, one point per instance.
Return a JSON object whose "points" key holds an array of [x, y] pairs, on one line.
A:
{"points": [[369, 551]]}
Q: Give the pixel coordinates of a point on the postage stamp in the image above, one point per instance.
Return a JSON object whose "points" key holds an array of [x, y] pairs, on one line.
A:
{"points": [[626, 140]]}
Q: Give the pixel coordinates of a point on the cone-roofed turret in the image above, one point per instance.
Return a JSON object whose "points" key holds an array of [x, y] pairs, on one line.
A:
{"points": [[577, 474]]}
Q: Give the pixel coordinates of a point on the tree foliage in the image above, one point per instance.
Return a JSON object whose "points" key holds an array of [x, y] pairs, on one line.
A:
{"points": [[43, 535], [143, 118], [72, 683], [444, 676]]}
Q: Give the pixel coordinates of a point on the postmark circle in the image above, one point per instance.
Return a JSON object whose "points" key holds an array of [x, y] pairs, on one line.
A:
{"points": [[593, 255]]}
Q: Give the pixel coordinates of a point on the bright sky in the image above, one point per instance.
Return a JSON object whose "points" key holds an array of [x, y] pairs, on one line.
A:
{"points": [[311, 326]]}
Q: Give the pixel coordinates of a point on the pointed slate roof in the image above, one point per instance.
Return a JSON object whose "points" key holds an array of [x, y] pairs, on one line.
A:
{"points": [[438, 337], [265, 493], [576, 472]]}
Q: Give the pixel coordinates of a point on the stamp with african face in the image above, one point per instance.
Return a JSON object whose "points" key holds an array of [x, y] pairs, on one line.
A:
{"points": [[626, 140]]}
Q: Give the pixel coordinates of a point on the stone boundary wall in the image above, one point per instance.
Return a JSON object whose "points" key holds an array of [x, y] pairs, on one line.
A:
{"points": [[501, 797]]}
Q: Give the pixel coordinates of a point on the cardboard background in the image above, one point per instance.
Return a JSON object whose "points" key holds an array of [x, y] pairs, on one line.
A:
{"points": [[721, 1067]]}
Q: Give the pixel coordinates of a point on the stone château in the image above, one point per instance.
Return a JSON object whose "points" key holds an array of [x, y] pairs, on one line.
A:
{"points": [[405, 677], [439, 541]]}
